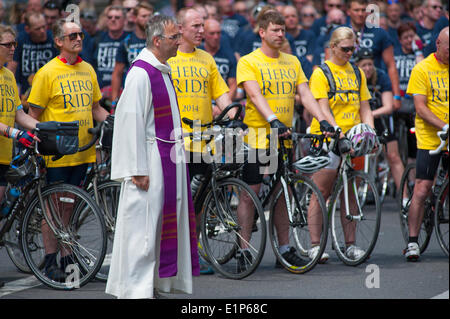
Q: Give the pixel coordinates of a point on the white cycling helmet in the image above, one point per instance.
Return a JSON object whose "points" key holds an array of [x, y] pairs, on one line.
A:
{"points": [[363, 139], [311, 164]]}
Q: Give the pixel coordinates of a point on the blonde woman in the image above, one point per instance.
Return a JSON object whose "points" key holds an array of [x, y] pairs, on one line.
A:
{"points": [[346, 108]]}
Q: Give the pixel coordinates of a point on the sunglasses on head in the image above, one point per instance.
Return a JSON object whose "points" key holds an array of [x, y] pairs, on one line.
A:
{"points": [[73, 36], [347, 49], [9, 45]]}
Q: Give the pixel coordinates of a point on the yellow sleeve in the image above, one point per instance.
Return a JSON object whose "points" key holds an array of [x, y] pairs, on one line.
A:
{"points": [[417, 82], [219, 87], [364, 91], [244, 72], [97, 94], [301, 77], [39, 94], [319, 84]]}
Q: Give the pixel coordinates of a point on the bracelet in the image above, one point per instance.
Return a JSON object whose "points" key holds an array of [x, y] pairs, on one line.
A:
{"points": [[271, 117], [397, 97], [445, 128], [15, 132]]}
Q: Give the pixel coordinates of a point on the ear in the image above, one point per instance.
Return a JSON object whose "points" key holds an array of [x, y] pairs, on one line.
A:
{"points": [[58, 42]]}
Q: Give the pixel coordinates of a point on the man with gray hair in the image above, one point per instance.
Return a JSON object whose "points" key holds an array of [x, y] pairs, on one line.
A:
{"points": [[155, 245]]}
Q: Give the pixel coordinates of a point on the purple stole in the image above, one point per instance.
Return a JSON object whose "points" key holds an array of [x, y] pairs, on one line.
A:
{"points": [[163, 129]]}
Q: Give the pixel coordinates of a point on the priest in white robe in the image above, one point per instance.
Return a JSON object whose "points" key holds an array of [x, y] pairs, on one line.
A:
{"points": [[155, 246]]}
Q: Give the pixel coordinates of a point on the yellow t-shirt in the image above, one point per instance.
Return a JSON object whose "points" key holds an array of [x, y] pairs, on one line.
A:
{"points": [[430, 78], [344, 106], [9, 104], [278, 79], [197, 82], [66, 93]]}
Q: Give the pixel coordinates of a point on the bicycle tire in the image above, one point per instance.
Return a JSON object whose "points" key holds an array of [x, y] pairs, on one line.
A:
{"points": [[371, 221], [220, 230], [299, 233], [441, 217], [84, 235], [13, 248], [407, 184], [108, 201]]}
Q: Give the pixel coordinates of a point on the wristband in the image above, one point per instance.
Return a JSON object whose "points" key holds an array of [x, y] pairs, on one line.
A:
{"points": [[271, 117], [418, 53], [445, 128], [14, 133], [397, 97]]}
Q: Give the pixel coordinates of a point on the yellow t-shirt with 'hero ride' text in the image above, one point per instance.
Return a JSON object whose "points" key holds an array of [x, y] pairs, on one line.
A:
{"points": [[9, 104], [197, 82], [430, 78], [278, 79], [66, 93], [344, 106]]}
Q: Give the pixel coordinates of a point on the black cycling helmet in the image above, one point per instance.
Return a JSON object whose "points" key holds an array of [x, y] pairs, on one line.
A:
{"points": [[363, 53]]}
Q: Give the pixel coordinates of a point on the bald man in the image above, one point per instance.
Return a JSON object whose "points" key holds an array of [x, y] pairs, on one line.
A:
{"points": [[430, 88], [216, 45]]}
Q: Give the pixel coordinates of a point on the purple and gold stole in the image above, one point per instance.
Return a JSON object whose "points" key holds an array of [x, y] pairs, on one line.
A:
{"points": [[163, 129]]}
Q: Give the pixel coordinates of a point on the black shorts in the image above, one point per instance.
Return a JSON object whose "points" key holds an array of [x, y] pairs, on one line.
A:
{"points": [[427, 164], [254, 171], [196, 166], [3, 169]]}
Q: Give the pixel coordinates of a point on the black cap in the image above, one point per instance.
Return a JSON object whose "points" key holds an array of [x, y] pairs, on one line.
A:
{"points": [[363, 53]]}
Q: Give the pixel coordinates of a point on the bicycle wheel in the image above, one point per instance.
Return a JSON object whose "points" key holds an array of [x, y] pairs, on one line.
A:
{"points": [[441, 217], [303, 192], [108, 201], [232, 253], [407, 187], [13, 248], [77, 225], [360, 231]]}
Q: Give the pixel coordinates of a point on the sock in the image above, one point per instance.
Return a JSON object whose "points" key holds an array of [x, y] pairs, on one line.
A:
{"points": [[414, 239], [284, 248]]}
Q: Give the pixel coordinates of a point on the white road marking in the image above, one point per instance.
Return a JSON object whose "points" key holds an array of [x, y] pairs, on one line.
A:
{"points": [[19, 285]]}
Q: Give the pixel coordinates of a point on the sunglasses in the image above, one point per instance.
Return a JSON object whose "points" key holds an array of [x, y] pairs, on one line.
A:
{"points": [[308, 15], [172, 37], [73, 36], [347, 49], [337, 6], [9, 45], [437, 7], [114, 17]]}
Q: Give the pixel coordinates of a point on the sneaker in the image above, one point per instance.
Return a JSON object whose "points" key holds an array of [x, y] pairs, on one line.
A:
{"points": [[205, 268], [292, 258], [244, 259], [51, 269], [412, 252], [405, 202], [312, 253], [354, 252]]}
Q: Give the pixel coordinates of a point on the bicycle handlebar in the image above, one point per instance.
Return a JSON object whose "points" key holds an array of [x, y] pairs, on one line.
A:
{"points": [[96, 132], [443, 135], [218, 119]]}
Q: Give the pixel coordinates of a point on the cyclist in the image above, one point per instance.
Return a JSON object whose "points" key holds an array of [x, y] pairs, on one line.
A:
{"points": [[381, 104], [429, 87], [197, 82], [271, 78], [11, 110], [349, 105], [66, 89]]}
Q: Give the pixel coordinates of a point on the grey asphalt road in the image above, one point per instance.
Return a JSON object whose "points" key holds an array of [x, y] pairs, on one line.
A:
{"points": [[428, 278]]}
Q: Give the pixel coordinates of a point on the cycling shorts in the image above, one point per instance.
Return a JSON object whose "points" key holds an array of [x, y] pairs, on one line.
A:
{"points": [[427, 164], [254, 171], [73, 175]]}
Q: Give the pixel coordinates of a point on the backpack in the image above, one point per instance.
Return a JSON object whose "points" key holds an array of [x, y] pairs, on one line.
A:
{"points": [[327, 72]]}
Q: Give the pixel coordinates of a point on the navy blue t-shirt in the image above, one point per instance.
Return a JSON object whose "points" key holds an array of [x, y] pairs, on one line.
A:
{"points": [[105, 53], [225, 60], [377, 40], [431, 47], [424, 34], [30, 57], [232, 24], [129, 49], [304, 43], [405, 63], [319, 26]]}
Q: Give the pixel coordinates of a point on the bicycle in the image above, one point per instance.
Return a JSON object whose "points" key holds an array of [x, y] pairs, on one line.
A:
{"points": [[105, 191], [362, 221], [216, 201], [436, 206], [70, 215], [295, 195]]}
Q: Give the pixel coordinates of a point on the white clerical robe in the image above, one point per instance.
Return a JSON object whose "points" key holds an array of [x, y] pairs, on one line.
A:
{"points": [[135, 255]]}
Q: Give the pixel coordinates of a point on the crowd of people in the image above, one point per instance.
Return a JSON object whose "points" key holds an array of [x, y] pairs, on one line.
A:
{"points": [[273, 56]]}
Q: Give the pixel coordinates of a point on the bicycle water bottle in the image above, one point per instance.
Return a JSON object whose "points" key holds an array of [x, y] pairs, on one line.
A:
{"points": [[8, 202], [197, 180]]}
